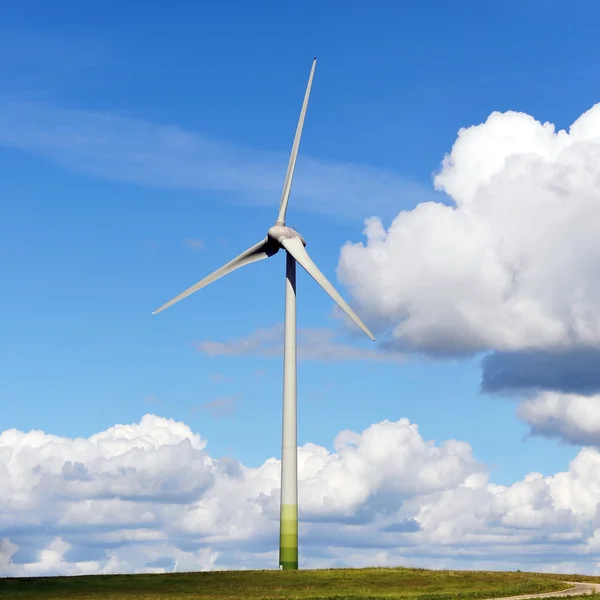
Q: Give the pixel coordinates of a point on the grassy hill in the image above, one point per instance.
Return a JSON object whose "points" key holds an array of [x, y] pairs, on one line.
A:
{"points": [[349, 584]]}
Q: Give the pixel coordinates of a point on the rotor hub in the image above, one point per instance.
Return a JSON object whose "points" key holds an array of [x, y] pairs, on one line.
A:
{"points": [[279, 232]]}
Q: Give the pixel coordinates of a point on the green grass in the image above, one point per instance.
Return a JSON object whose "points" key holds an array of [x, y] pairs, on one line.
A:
{"points": [[347, 584]]}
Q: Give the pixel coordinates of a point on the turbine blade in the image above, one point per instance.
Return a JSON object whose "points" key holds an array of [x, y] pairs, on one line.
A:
{"points": [[296, 248], [287, 186], [259, 251]]}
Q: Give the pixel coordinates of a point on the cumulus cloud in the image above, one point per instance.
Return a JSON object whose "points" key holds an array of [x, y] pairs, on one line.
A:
{"points": [[571, 418], [148, 497], [512, 265]]}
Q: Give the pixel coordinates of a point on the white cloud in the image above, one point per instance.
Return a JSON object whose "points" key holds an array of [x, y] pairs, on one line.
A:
{"points": [[193, 244], [569, 417], [125, 149], [223, 406], [313, 344], [513, 264], [147, 497], [219, 377]]}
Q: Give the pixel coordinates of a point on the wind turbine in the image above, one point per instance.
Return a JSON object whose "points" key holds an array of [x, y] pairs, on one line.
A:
{"points": [[279, 237]]}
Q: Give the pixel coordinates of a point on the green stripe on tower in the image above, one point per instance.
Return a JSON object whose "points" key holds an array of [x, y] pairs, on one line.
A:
{"points": [[288, 537]]}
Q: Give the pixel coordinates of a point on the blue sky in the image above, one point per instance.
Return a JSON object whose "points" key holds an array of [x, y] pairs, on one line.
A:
{"points": [[86, 259], [144, 145]]}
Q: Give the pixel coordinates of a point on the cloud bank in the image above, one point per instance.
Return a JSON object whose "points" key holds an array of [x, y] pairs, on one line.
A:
{"points": [[148, 497]]}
